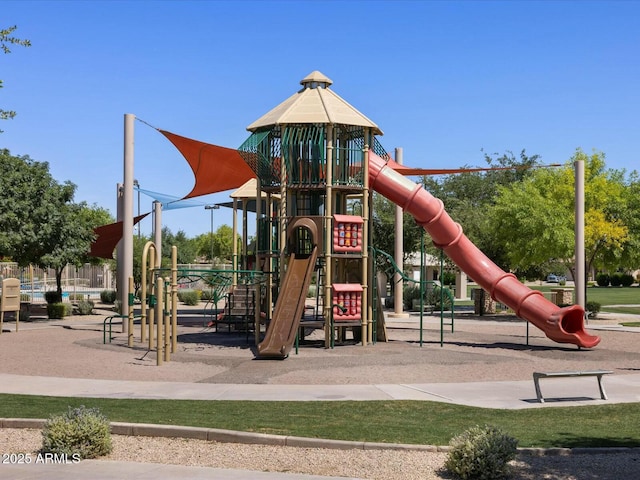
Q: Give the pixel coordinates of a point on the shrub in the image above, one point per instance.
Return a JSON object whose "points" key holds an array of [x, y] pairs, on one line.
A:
{"points": [[616, 279], [481, 453], [80, 432], [593, 308], [206, 295], [25, 297], [602, 279], [409, 294], [433, 298], [189, 297], [311, 293], [58, 310], [25, 313], [108, 296], [85, 307], [448, 278], [626, 279], [52, 296], [76, 297]]}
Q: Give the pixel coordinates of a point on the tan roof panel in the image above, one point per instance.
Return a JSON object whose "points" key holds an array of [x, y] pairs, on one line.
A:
{"points": [[315, 103], [250, 190], [316, 76]]}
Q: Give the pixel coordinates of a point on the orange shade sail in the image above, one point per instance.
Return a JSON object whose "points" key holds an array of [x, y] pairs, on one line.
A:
{"points": [[215, 168], [107, 237]]}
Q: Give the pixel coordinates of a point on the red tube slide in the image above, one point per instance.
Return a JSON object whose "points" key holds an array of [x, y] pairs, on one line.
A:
{"points": [[563, 325]]}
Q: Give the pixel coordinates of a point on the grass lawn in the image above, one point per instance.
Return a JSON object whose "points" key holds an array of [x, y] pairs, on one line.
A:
{"points": [[631, 310], [427, 423], [603, 295], [614, 295]]}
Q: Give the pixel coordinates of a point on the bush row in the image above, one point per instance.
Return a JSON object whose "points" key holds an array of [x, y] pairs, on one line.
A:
{"points": [[614, 280], [431, 297]]}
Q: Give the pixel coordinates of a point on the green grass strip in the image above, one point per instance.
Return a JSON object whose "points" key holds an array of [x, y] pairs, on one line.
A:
{"points": [[426, 423], [631, 310], [603, 295]]}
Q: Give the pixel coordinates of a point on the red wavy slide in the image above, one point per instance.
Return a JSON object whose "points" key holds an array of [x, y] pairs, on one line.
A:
{"points": [[562, 325]]}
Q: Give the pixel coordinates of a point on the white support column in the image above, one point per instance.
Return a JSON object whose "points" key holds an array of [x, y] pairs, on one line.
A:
{"points": [[461, 285], [126, 262], [398, 302], [367, 280], [328, 240], [580, 277], [245, 236], [235, 261]]}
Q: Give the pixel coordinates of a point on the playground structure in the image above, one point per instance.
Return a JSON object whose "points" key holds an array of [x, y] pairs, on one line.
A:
{"points": [[308, 151], [159, 287], [317, 163], [323, 159]]}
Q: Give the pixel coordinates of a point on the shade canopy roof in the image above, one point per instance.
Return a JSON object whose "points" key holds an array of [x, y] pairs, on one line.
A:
{"points": [[249, 190], [315, 103]]}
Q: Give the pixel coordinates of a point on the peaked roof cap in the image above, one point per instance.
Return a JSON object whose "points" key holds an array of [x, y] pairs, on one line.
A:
{"points": [[315, 103]]}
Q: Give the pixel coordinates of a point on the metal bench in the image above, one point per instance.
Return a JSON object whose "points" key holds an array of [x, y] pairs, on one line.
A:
{"points": [[587, 373]]}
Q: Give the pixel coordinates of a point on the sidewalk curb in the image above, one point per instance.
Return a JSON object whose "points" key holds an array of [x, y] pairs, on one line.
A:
{"points": [[233, 436]]}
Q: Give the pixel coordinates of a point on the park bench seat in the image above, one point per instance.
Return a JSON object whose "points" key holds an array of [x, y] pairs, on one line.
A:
{"points": [[587, 373]]}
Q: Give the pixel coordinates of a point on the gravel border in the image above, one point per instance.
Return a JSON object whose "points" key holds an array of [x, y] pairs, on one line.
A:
{"points": [[191, 446]]}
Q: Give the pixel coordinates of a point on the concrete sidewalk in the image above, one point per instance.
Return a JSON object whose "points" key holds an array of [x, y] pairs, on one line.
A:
{"points": [[503, 394], [107, 470]]}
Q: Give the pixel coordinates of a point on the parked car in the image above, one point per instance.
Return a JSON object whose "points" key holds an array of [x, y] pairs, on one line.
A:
{"points": [[553, 278]]}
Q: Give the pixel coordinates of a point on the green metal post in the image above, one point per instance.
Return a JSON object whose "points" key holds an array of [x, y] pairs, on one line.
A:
{"points": [[442, 298], [422, 286]]}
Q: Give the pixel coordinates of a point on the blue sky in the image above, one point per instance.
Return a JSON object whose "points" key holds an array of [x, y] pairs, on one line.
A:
{"points": [[443, 80]]}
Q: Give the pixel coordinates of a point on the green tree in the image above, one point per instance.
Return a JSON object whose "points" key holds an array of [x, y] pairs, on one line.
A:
{"points": [[467, 196], [28, 207], [535, 219], [630, 216], [69, 237], [222, 240], [139, 243], [39, 223], [6, 39], [187, 248], [384, 228]]}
